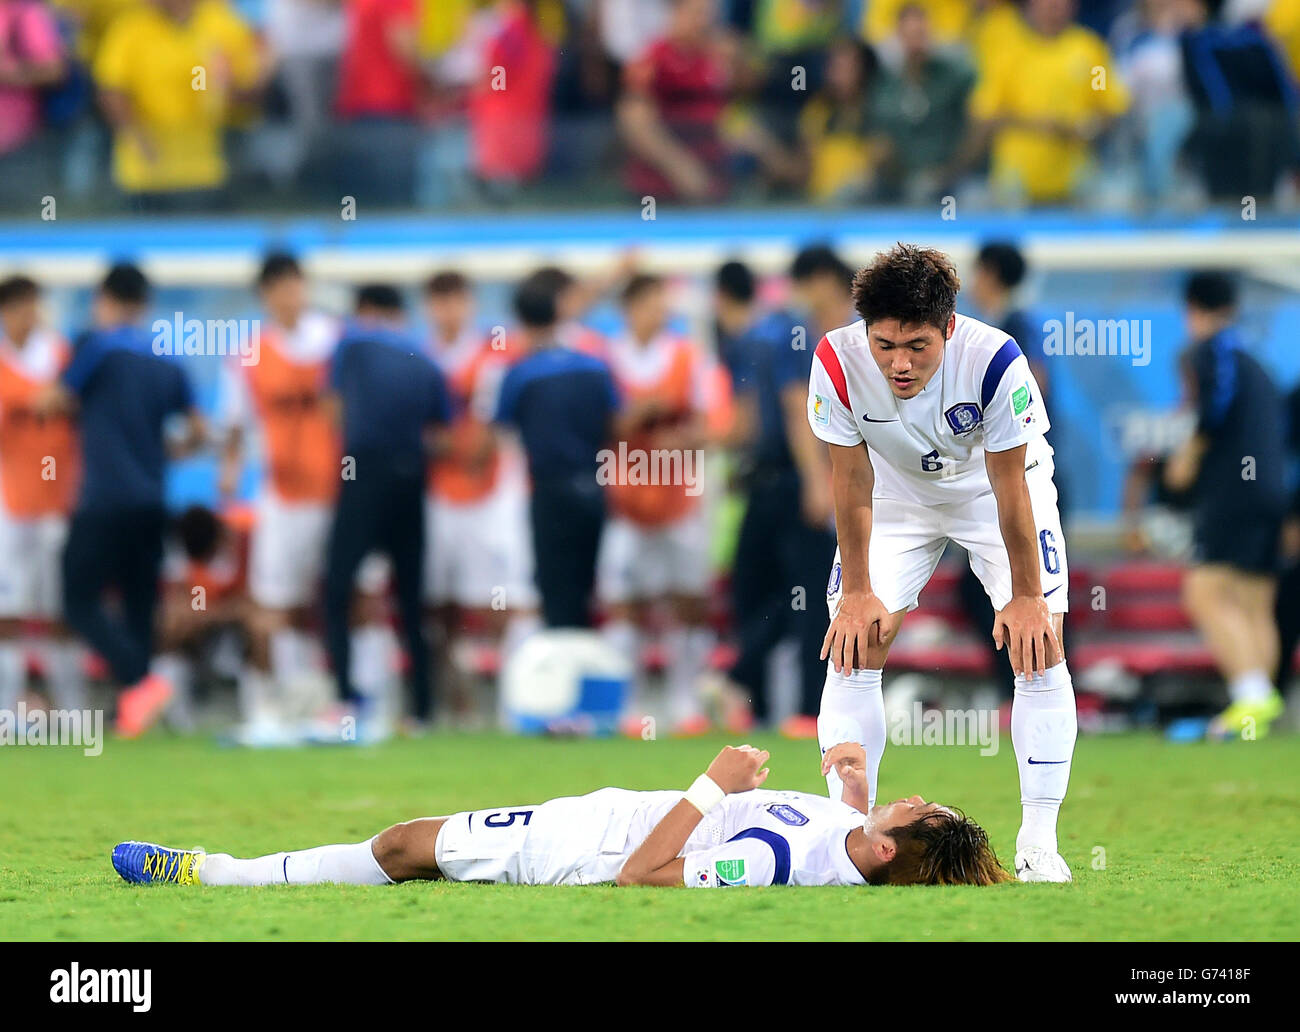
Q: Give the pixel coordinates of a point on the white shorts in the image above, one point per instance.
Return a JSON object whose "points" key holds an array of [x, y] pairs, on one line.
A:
{"points": [[287, 551], [31, 574], [480, 556], [578, 840], [637, 562], [907, 539], [286, 556]]}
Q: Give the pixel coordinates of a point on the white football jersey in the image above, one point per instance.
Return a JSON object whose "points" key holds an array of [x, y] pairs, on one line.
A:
{"points": [[930, 448], [750, 838], [773, 838]]}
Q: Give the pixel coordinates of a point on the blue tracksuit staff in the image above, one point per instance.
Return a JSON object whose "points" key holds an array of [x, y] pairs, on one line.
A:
{"points": [[125, 394], [390, 393], [777, 550], [562, 403]]}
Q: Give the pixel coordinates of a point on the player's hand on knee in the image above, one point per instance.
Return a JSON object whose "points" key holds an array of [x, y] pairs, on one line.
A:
{"points": [[861, 623], [1025, 629], [739, 768]]}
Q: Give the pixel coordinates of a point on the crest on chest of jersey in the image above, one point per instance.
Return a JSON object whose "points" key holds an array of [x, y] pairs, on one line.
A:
{"points": [[787, 814], [963, 418]]}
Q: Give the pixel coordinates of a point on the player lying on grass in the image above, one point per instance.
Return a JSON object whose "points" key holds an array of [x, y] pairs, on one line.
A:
{"points": [[723, 831]]}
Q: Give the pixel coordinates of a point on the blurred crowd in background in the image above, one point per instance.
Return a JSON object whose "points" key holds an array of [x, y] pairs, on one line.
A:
{"points": [[255, 104], [411, 488]]}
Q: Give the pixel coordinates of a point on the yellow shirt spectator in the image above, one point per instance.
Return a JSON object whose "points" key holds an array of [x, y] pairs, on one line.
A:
{"points": [[92, 18], [995, 33], [178, 78], [948, 19], [1064, 81], [841, 152], [1282, 21]]}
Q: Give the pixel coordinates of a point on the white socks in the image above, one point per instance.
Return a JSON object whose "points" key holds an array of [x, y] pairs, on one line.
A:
{"points": [[293, 654], [518, 630], [1043, 730], [688, 652], [853, 710], [178, 671], [13, 674], [374, 660], [353, 864], [65, 673], [624, 638], [1253, 686], [256, 694]]}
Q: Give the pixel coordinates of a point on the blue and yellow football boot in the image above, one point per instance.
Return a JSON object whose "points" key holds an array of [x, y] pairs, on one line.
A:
{"points": [[143, 863]]}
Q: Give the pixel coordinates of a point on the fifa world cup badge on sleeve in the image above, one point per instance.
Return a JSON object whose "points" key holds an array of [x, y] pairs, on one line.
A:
{"points": [[1021, 399], [730, 872], [821, 408]]}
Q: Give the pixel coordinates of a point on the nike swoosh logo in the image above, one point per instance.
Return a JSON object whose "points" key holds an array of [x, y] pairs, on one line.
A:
{"points": [[870, 420], [1057, 588], [1037, 762]]}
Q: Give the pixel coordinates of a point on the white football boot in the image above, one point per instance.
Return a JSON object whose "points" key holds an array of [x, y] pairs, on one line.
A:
{"points": [[1035, 864]]}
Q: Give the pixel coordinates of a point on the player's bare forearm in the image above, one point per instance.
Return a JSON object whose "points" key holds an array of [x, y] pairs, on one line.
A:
{"points": [[849, 761], [193, 439], [1025, 625], [645, 133], [1015, 519], [809, 458], [231, 463], [332, 405], [1184, 465], [855, 793], [852, 481], [806, 450], [861, 626], [744, 420], [656, 860], [54, 399]]}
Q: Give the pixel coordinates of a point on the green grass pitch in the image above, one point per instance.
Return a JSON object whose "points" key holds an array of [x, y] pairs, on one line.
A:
{"points": [[1166, 842]]}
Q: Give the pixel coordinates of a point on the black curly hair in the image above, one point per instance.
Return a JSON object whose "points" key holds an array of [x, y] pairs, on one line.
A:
{"points": [[915, 285]]}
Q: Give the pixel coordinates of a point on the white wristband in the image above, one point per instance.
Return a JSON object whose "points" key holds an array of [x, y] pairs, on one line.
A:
{"points": [[704, 794]]}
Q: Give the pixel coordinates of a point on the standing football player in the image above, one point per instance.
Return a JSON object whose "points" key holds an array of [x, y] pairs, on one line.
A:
{"points": [[38, 477], [279, 402], [655, 549], [479, 559], [935, 426]]}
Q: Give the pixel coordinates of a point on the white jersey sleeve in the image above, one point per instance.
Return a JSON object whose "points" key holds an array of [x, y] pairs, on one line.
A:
{"points": [[743, 861], [829, 415], [1015, 415]]}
